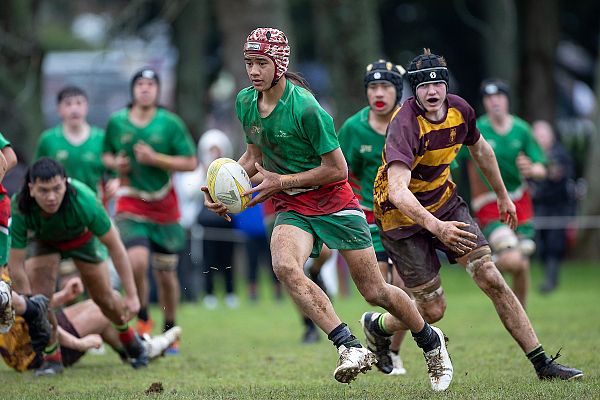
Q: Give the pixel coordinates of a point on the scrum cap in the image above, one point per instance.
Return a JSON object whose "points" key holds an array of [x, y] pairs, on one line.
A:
{"points": [[272, 43], [427, 68], [494, 86], [383, 70]]}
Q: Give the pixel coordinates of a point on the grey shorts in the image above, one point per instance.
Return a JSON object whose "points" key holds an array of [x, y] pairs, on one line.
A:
{"points": [[415, 257]]}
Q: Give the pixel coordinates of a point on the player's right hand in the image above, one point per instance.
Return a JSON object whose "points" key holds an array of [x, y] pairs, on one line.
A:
{"points": [[217, 208], [91, 341], [456, 237]]}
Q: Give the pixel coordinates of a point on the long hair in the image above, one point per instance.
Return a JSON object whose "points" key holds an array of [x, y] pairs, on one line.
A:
{"points": [[298, 80], [43, 169]]}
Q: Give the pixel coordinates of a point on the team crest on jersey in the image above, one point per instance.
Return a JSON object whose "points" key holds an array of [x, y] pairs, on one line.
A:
{"points": [[126, 138], [62, 155], [452, 135], [255, 130], [155, 139]]}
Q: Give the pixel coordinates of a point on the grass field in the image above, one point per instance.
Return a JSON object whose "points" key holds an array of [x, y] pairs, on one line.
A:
{"points": [[254, 352]]}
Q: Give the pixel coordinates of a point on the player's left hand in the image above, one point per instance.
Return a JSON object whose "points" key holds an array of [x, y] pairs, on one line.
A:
{"points": [[524, 165], [508, 212], [144, 154], [73, 288], [270, 185]]}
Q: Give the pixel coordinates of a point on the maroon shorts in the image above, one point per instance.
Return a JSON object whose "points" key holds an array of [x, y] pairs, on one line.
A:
{"points": [[415, 257], [69, 356]]}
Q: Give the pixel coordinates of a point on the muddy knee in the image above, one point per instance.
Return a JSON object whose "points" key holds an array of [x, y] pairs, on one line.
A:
{"points": [[430, 299], [483, 270], [287, 271], [376, 296]]}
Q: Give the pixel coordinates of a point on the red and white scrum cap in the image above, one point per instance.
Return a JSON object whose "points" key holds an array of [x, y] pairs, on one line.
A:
{"points": [[272, 43]]}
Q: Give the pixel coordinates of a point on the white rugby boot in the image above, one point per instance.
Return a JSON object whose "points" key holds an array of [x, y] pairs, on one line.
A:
{"points": [[353, 361]]}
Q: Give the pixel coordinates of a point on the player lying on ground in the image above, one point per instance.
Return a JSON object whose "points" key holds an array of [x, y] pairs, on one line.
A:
{"points": [[53, 218], [81, 327]]}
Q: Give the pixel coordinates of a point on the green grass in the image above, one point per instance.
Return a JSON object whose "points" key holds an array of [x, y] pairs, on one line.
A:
{"points": [[253, 352]]}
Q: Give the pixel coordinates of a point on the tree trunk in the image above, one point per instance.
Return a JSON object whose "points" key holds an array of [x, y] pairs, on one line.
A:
{"points": [[190, 31], [541, 37], [348, 38], [587, 245], [20, 70], [237, 18]]}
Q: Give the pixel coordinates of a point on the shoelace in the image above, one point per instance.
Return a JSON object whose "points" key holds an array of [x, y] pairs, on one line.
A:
{"points": [[434, 365], [552, 358]]}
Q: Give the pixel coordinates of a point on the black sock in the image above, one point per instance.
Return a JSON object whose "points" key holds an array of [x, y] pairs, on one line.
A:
{"points": [[168, 325], [376, 326], [426, 339], [538, 357], [308, 323], [341, 335], [143, 314]]}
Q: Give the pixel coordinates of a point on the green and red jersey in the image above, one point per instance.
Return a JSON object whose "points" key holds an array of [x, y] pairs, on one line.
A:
{"points": [[147, 191], [362, 146], [82, 162], [80, 217], [4, 201], [3, 143], [507, 147], [427, 148], [292, 138]]}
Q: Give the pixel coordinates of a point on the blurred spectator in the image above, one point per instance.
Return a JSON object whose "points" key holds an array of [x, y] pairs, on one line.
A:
{"points": [[520, 159], [187, 186], [552, 197], [250, 223], [217, 246]]}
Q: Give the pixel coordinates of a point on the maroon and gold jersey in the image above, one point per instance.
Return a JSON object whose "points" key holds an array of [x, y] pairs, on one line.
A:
{"points": [[16, 349], [427, 148]]}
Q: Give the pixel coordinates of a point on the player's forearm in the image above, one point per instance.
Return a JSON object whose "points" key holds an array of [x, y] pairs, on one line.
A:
{"points": [[18, 276], [10, 156], [67, 340], [120, 260], [247, 161], [485, 159], [59, 298], [175, 163], [407, 203], [321, 175], [538, 171], [124, 270]]}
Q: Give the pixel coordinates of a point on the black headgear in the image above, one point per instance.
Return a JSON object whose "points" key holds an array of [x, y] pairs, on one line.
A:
{"points": [[147, 73], [427, 68], [494, 86], [383, 70]]}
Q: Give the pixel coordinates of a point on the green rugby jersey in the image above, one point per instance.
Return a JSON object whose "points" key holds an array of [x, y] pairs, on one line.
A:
{"points": [[296, 133], [165, 133], [362, 146], [508, 146], [83, 213], [82, 162], [292, 138]]}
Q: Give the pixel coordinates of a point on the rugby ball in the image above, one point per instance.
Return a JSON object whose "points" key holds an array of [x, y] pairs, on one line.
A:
{"points": [[226, 181]]}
